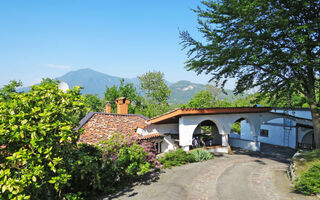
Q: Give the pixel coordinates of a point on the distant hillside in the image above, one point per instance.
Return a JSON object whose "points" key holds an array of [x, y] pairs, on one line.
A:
{"points": [[95, 82], [183, 91], [92, 81]]}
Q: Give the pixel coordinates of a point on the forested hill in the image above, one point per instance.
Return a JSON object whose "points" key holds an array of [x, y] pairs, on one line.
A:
{"points": [[183, 91], [95, 82]]}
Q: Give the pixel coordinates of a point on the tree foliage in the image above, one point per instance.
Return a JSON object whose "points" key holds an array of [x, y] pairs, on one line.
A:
{"points": [[37, 132], [270, 45], [93, 102], [156, 93], [8, 89], [124, 90], [155, 87]]}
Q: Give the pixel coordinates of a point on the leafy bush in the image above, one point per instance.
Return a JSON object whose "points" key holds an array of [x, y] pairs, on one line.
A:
{"points": [[200, 155], [85, 167], [103, 169], [39, 158], [37, 133], [126, 158], [73, 196], [176, 158], [309, 182]]}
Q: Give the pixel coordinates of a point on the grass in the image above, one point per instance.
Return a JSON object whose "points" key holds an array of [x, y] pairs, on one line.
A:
{"points": [[308, 172], [305, 160]]}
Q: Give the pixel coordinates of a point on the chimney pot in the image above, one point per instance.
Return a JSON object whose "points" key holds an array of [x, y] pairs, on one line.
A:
{"points": [[122, 105], [108, 107]]}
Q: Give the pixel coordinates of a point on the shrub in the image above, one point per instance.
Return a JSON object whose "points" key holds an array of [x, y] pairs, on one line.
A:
{"points": [[176, 158], [126, 158], [309, 182], [73, 196], [85, 167], [200, 155], [37, 133]]}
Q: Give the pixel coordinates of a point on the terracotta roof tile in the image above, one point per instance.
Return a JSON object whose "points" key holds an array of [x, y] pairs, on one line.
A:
{"points": [[100, 126], [154, 135], [173, 116]]}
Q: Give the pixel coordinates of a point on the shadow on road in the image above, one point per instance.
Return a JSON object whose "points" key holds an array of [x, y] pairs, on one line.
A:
{"points": [[146, 179], [272, 152]]}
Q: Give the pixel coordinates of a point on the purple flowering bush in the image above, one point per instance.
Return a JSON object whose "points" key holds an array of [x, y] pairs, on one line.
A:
{"points": [[110, 165], [128, 157]]}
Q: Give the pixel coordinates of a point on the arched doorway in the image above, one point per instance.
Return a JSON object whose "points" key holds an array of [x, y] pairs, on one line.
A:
{"points": [[307, 141], [206, 134], [241, 128], [237, 126]]}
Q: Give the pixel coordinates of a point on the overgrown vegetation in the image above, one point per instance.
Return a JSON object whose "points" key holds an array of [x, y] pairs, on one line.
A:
{"points": [[180, 157], [309, 182], [308, 172]]}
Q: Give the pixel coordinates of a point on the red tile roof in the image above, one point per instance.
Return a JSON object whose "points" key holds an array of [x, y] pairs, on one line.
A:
{"points": [[100, 126], [154, 135]]}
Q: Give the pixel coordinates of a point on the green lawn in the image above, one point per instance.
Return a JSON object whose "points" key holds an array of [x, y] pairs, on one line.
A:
{"points": [[305, 160]]}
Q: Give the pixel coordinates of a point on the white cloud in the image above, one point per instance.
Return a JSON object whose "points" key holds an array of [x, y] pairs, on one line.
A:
{"points": [[59, 66]]}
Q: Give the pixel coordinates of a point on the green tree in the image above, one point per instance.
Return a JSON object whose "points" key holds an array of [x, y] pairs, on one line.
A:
{"points": [[93, 102], [124, 90], [202, 99], [155, 87], [156, 93], [37, 133], [270, 45], [205, 99]]}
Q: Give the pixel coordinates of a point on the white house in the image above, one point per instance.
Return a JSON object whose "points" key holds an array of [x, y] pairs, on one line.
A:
{"points": [[213, 128], [291, 129]]}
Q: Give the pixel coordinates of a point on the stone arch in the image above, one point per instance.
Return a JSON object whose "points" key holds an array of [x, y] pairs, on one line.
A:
{"points": [[206, 133]]}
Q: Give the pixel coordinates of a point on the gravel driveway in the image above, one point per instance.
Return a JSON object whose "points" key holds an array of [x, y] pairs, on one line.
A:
{"points": [[227, 177]]}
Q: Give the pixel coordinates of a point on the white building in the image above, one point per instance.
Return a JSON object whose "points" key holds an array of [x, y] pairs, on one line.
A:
{"points": [[213, 128], [291, 131]]}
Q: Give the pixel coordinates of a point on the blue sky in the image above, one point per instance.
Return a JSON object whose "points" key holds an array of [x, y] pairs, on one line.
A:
{"points": [[120, 38]]}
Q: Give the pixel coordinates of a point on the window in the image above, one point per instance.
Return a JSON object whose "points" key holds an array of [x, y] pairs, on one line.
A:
{"points": [[264, 133]]}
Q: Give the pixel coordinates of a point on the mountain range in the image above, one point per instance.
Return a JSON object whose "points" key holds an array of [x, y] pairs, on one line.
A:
{"points": [[95, 82]]}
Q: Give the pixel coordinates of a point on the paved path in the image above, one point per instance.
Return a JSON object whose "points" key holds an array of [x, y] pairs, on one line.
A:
{"points": [[227, 177]]}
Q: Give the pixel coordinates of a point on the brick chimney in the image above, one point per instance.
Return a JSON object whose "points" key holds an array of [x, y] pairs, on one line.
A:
{"points": [[108, 107], [122, 105]]}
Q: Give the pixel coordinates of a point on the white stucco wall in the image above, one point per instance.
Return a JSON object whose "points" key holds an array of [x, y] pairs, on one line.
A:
{"points": [[244, 144], [167, 144], [160, 128], [224, 122], [302, 112], [275, 132], [250, 128], [276, 128]]}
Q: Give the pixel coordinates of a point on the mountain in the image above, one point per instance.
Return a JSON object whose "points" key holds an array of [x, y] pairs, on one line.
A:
{"points": [[92, 81], [95, 82], [183, 91]]}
